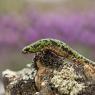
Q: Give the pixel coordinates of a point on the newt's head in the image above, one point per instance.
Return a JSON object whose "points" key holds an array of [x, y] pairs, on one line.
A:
{"points": [[32, 48], [36, 46], [27, 49]]}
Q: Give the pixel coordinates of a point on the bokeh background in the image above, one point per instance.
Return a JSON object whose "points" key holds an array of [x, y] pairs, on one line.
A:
{"points": [[25, 21]]}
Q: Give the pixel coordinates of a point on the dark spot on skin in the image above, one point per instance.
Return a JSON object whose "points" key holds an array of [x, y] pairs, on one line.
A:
{"points": [[36, 45], [64, 48], [26, 49], [86, 61], [67, 50], [80, 57], [40, 44], [45, 41], [54, 43], [70, 52]]}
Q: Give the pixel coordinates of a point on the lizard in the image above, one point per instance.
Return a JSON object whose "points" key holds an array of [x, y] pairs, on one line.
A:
{"points": [[59, 47], [62, 49]]}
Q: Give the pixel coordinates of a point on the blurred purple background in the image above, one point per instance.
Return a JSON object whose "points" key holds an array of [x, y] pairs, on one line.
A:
{"points": [[24, 22]]}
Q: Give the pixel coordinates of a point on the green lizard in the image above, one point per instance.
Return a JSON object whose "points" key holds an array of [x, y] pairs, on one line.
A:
{"points": [[59, 47]]}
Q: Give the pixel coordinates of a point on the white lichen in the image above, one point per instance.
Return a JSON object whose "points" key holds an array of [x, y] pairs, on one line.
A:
{"points": [[27, 73], [65, 82]]}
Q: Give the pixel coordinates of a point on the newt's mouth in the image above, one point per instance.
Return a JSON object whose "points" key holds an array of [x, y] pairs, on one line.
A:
{"points": [[24, 52]]}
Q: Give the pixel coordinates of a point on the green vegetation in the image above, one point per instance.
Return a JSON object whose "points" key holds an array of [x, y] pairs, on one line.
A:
{"points": [[12, 5]]}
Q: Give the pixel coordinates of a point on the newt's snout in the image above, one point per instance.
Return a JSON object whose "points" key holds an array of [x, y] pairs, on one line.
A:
{"points": [[25, 50]]}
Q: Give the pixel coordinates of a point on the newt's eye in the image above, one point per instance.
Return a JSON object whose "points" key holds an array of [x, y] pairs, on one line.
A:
{"points": [[25, 50]]}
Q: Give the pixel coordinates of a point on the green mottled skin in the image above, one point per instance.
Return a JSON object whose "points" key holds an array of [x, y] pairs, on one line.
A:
{"points": [[59, 47]]}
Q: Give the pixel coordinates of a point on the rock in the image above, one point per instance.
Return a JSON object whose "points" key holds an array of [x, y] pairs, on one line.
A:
{"points": [[49, 74]]}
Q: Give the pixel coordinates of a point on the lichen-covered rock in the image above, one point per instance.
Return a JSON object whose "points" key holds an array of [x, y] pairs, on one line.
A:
{"points": [[19, 83], [49, 74], [66, 81]]}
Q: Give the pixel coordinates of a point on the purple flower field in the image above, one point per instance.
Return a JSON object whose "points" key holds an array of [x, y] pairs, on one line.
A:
{"points": [[25, 21], [16, 31], [69, 28]]}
